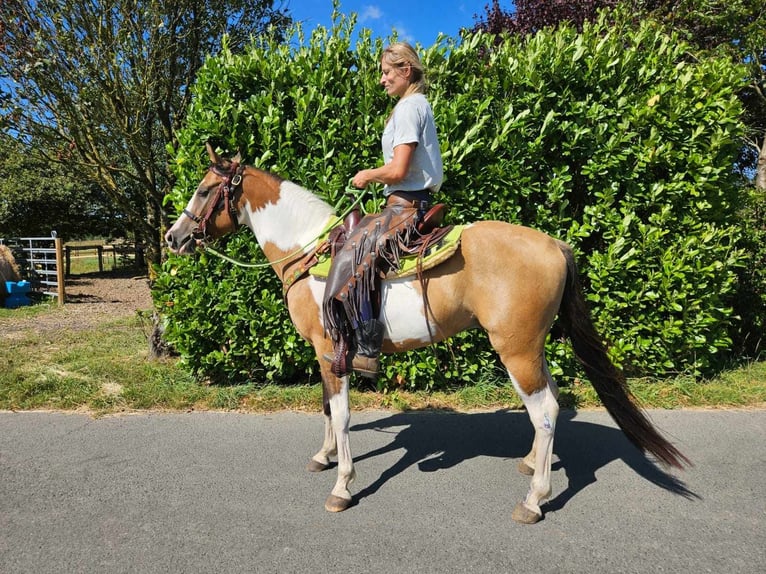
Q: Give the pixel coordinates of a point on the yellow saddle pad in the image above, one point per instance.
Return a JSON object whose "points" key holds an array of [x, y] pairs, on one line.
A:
{"points": [[437, 253]]}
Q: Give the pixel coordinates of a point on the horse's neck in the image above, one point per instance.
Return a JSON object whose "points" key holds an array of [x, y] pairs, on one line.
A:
{"points": [[290, 218]]}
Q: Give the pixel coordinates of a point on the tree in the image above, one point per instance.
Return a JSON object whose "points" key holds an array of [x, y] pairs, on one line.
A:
{"points": [[102, 86], [39, 197], [531, 16]]}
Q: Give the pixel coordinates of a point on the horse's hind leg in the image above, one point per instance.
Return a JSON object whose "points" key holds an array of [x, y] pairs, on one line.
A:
{"points": [[527, 464], [539, 394]]}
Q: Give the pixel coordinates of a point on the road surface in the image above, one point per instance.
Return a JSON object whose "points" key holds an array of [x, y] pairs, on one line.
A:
{"points": [[223, 492]]}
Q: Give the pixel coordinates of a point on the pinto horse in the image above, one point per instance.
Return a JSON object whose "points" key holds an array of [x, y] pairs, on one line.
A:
{"points": [[511, 281]]}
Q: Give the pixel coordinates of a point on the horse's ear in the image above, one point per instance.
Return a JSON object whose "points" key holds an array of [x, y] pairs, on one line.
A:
{"points": [[237, 158], [214, 159]]}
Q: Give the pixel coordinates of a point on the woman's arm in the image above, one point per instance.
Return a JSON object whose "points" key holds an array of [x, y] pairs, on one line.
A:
{"points": [[391, 173]]}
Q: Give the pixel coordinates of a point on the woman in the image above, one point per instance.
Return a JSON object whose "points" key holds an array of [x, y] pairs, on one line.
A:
{"points": [[411, 173], [413, 162]]}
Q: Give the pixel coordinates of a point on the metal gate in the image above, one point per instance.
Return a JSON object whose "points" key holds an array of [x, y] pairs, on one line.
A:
{"points": [[42, 262]]}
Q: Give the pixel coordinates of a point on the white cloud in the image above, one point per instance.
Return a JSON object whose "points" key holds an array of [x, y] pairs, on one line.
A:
{"points": [[404, 34], [370, 13]]}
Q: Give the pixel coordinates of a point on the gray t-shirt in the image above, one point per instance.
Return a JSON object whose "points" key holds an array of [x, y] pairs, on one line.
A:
{"points": [[413, 122]]}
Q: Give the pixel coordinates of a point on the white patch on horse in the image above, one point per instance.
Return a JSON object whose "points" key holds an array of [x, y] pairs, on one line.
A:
{"points": [[317, 292], [543, 410], [295, 220], [402, 312], [341, 416]]}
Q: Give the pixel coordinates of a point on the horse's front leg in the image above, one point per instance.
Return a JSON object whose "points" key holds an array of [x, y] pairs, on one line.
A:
{"points": [[321, 460], [340, 416]]}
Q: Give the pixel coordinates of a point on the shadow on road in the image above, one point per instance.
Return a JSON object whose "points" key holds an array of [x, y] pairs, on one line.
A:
{"points": [[440, 440]]}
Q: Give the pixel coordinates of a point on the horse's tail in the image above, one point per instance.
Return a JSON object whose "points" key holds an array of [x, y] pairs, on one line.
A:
{"points": [[606, 378]]}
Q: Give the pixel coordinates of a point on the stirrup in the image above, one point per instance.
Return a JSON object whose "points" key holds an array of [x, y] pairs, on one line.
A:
{"points": [[365, 366]]}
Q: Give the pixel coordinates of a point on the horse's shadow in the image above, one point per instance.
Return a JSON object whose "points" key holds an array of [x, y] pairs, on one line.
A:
{"points": [[440, 440]]}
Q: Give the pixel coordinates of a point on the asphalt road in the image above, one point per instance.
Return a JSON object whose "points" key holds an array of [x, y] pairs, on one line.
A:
{"points": [[212, 492]]}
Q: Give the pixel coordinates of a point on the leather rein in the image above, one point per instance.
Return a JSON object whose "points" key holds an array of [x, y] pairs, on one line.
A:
{"points": [[224, 197]]}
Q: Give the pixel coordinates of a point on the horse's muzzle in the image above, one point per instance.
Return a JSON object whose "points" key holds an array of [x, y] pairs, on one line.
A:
{"points": [[185, 246]]}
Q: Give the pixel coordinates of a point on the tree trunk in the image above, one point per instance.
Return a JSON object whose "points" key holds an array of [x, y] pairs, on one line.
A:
{"points": [[152, 234], [760, 170]]}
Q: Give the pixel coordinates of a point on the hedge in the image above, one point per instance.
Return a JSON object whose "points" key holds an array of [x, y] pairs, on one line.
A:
{"points": [[617, 140]]}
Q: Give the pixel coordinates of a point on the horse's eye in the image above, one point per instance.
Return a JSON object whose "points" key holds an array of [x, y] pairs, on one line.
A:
{"points": [[203, 192]]}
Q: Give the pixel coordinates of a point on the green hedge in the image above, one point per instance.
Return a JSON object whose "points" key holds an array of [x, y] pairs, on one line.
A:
{"points": [[750, 304], [617, 140]]}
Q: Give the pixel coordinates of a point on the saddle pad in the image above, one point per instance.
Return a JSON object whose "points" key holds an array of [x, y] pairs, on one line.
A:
{"points": [[437, 254]]}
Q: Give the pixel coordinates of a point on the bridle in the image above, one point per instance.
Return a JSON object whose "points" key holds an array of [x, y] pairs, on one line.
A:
{"points": [[224, 197]]}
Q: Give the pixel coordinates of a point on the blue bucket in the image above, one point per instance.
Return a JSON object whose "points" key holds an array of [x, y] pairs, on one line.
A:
{"points": [[17, 291]]}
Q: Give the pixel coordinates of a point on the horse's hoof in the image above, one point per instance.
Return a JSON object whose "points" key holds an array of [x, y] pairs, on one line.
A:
{"points": [[336, 503], [524, 515], [314, 466], [524, 468]]}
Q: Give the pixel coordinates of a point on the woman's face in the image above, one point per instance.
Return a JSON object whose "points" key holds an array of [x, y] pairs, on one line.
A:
{"points": [[395, 79]]}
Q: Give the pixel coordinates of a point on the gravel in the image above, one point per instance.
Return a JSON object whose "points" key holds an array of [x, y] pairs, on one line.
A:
{"points": [[90, 299]]}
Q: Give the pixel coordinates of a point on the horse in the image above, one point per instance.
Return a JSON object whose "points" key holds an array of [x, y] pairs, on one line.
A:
{"points": [[510, 280]]}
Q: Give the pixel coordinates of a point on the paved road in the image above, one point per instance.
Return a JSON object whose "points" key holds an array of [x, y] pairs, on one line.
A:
{"points": [[210, 492]]}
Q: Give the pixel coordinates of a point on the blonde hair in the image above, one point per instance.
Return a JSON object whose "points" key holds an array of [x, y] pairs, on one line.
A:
{"points": [[400, 55]]}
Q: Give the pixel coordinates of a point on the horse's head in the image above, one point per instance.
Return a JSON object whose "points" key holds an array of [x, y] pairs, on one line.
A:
{"points": [[211, 211]]}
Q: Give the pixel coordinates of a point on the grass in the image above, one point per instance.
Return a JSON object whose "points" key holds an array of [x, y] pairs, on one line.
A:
{"points": [[106, 370], [44, 306], [84, 264]]}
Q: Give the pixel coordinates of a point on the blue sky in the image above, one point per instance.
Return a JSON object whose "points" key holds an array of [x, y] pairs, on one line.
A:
{"points": [[417, 21]]}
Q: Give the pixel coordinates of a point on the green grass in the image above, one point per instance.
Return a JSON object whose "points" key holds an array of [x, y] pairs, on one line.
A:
{"points": [[84, 264], [40, 308], [88, 264], [107, 370]]}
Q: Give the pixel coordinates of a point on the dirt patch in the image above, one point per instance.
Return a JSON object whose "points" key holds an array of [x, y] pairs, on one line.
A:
{"points": [[90, 300]]}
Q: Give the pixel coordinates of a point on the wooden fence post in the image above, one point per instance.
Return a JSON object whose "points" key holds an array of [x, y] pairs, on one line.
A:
{"points": [[60, 276]]}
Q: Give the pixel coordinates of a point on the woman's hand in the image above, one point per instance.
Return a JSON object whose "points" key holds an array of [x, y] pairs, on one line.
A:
{"points": [[390, 173], [362, 178]]}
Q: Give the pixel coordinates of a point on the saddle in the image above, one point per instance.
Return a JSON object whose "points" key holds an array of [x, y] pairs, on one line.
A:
{"points": [[428, 246], [428, 223], [431, 246], [373, 249]]}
